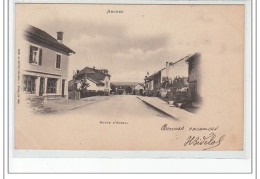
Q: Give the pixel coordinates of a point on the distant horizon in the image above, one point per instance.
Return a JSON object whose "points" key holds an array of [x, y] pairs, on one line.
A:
{"points": [[125, 82]]}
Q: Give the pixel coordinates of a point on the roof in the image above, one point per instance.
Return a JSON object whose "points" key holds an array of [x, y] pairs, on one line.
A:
{"points": [[149, 78], [42, 36], [192, 56], [92, 74], [95, 81], [141, 84]]}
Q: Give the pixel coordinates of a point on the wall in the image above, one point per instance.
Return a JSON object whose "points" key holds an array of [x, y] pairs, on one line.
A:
{"points": [[179, 69], [106, 88], [194, 74], [151, 85], [93, 86], [48, 61], [47, 69], [138, 87]]}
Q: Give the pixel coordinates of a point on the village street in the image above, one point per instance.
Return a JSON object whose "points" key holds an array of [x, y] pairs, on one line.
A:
{"points": [[118, 122], [119, 108]]}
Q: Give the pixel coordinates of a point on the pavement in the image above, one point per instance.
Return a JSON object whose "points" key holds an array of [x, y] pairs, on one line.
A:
{"points": [[120, 106], [166, 108], [46, 106]]}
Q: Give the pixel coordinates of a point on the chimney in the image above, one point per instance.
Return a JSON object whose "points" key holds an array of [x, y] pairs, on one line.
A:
{"points": [[59, 37], [167, 64], [94, 67], [77, 71]]}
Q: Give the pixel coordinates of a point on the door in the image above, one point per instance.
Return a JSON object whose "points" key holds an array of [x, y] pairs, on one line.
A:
{"points": [[193, 91], [41, 86], [63, 88]]}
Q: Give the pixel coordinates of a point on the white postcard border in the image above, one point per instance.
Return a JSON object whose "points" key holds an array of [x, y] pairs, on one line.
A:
{"points": [[17, 156]]}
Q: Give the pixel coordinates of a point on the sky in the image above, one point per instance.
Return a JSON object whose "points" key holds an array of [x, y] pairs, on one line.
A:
{"points": [[139, 40]]}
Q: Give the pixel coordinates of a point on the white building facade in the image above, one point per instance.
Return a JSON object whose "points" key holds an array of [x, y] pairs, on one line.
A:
{"points": [[44, 64], [96, 85], [97, 79]]}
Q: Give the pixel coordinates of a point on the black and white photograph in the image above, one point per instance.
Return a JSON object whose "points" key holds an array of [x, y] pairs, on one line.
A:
{"points": [[129, 77]]}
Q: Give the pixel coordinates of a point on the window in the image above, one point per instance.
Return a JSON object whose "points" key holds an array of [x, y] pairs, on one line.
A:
{"points": [[29, 84], [58, 61], [193, 73], [51, 85], [35, 55]]}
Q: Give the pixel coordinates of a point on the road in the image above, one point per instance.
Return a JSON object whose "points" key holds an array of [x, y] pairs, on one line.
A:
{"points": [[112, 123], [120, 122], [120, 107]]}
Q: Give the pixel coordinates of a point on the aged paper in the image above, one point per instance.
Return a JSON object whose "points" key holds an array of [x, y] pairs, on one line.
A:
{"points": [[129, 77]]}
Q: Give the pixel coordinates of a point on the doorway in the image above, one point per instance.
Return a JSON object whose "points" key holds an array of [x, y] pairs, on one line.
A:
{"points": [[41, 91], [63, 88]]}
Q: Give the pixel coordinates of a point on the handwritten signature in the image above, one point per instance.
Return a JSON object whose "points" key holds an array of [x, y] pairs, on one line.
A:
{"points": [[211, 140]]}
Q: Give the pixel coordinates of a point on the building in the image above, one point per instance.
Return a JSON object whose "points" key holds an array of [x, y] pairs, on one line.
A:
{"points": [[182, 75], [153, 82], [44, 63], [123, 87], [175, 69], [171, 70], [139, 89], [97, 79], [194, 78], [165, 76]]}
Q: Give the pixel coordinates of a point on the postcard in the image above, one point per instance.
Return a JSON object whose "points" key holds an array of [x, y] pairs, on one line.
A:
{"points": [[129, 77]]}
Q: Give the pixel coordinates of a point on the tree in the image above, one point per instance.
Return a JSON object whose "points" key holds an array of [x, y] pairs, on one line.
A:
{"points": [[178, 83], [84, 84], [166, 82], [113, 87], [128, 90]]}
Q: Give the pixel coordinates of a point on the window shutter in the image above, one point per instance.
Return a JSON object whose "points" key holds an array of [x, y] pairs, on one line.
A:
{"points": [[31, 54], [40, 57], [58, 61]]}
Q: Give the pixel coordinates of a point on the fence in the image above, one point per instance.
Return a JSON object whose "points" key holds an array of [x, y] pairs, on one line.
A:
{"points": [[74, 95]]}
